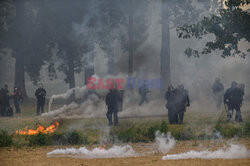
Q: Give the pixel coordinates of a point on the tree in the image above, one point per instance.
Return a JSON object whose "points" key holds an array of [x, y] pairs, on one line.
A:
{"points": [[7, 12], [228, 27], [124, 21], [173, 14], [19, 37], [110, 19], [135, 27], [60, 16]]}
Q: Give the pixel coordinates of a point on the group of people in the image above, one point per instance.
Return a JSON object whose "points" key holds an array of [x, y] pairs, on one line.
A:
{"points": [[233, 98], [177, 101], [5, 96]]}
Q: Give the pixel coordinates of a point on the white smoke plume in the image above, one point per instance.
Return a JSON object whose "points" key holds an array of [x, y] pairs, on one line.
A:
{"points": [[90, 108], [82, 152], [233, 151], [94, 105], [164, 142], [66, 95]]}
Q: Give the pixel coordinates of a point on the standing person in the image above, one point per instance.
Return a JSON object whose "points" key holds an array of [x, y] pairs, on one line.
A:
{"points": [[143, 90], [218, 91], [113, 100], [17, 96], [40, 96], [238, 116], [170, 96], [233, 99], [182, 102], [5, 100]]}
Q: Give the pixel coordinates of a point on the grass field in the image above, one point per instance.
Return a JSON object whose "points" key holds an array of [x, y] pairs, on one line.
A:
{"points": [[199, 130]]}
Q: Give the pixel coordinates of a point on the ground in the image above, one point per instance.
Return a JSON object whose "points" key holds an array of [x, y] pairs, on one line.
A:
{"points": [[37, 156], [199, 122]]}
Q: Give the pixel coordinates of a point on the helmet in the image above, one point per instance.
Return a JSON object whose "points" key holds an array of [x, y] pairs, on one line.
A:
{"points": [[234, 84]]}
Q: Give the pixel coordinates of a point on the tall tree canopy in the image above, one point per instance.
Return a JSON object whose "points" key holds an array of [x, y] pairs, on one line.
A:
{"points": [[20, 37], [58, 18], [229, 26]]}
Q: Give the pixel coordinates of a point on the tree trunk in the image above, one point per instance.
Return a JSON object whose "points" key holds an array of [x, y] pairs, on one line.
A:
{"points": [[19, 74], [165, 45], [111, 61], [71, 77], [130, 42], [89, 68], [18, 50]]}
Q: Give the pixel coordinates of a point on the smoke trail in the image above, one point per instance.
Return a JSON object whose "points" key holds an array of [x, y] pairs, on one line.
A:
{"points": [[164, 142], [79, 90], [82, 152], [234, 151]]}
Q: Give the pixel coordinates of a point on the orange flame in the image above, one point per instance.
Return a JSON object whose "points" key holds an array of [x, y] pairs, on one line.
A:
{"points": [[40, 129]]}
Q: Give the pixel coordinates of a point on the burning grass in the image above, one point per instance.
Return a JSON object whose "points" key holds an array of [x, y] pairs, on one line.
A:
{"points": [[39, 130]]}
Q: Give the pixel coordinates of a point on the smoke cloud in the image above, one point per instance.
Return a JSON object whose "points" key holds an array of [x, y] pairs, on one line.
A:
{"points": [[164, 142], [82, 152], [233, 151]]}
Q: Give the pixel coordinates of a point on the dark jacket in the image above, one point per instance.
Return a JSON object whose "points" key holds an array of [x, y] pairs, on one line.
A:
{"points": [[217, 87], [233, 96], [5, 97], [170, 96], [40, 94], [17, 95], [182, 99], [113, 100], [143, 90]]}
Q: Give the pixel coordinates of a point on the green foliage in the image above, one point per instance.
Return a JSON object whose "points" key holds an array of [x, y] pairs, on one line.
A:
{"points": [[39, 139], [5, 139], [140, 133], [75, 138], [229, 26], [164, 127], [181, 132], [70, 138], [228, 130], [246, 129]]}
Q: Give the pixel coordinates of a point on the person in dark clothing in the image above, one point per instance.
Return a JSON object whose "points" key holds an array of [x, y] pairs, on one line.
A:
{"points": [[5, 100], [113, 100], [182, 102], [17, 96], [233, 98], [238, 116], [143, 90], [40, 96], [170, 96], [218, 91]]}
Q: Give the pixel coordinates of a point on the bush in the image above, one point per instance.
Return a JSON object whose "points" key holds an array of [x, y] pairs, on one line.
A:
{"points": [[5, 139], [39, 139], [72, 138], [75, 137], [227, 130], [246, 129], [140, 133], [59, 139], [182, 133]]}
